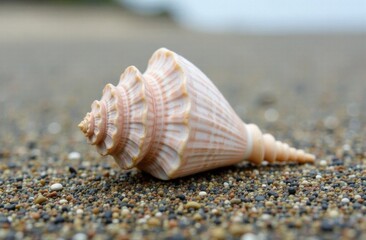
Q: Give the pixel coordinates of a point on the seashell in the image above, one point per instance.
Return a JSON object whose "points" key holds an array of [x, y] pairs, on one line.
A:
{"points": [[172, 121]]}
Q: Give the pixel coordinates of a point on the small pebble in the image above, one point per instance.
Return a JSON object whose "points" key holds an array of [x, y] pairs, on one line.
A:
{"points": [[192, 204], [80, 236], [35, 215], [63, 201], [74, 156], [153, 222], [54, 128], [271, 115], [197, 217], [40, 199], [79, 211], [72, 170], [95, 210], [345, 200], [202, 194], [235, 201], [323, 163], [291, 190], [218, 233], [260, 198], [158, 214], [249, 236], [331, 122], [125, 212], [56, 187]]}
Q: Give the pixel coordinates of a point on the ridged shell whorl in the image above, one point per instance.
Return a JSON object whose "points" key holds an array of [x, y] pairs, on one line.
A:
{"points": [[117, 124], [172, 121]]}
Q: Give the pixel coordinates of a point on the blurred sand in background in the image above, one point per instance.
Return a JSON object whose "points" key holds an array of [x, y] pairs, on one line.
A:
{"points": [[64, 51]]}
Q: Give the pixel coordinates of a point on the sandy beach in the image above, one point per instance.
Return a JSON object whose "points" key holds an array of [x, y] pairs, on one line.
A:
{"points": [[307, 90]]}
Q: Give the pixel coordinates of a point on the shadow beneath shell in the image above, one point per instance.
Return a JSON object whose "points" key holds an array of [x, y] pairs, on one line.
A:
{"points": [[243, 172]]}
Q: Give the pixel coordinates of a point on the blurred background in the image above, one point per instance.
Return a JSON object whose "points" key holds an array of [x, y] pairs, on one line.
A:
{"points": [[278, 63]]}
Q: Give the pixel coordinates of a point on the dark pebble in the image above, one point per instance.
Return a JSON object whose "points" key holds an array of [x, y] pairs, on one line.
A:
{"points": [[19, 179], [217, 221], [162, 209], [260, 198], [181, 197], [32, 145], [108, 214], [291, 190], [273, 193], [59, 219], [64, 209], [3, 220], [326, 226], [73, 170], [98, 178], [45, 216], [10, 207], [12, 165], [172, 216], [176, 237]]}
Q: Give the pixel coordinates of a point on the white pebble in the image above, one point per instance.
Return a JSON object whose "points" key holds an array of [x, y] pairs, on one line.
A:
{"points": [[266, 217], [331, 122], [318, 176], [357, 196], [125, 212], [271, 115], [333, 213], [352, 176], [237, 219], [323, 163], [79, 211], [305, 182], [56, 187], [74, 156], [346, 148], [249, 236], [54, 128], [227, 202], [226, 185], [158, 214], [345, 200], [80, 236], [62, 201], [202, 193], [141, 221]]}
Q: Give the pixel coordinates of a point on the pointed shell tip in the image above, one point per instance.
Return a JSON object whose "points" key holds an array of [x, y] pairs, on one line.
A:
{"points": [[83, 125]]}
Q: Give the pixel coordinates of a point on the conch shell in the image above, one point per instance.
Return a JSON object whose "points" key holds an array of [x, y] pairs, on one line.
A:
{"points": [[172, 121]]}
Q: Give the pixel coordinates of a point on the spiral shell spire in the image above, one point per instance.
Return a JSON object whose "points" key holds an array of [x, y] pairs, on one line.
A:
{"points": [[172, 121]]}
